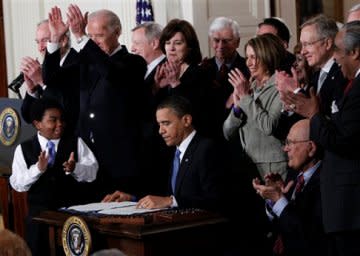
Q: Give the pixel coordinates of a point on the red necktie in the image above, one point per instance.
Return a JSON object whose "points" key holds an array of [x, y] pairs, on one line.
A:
{"points": [[299, 185], [348, 87], [222, 73], [278, 248]]}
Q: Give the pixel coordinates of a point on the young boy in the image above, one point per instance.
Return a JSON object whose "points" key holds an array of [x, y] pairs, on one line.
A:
{"points": [[49, 167]]}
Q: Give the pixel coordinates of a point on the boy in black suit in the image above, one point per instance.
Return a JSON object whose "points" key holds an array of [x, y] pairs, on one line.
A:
{"points": [[50, 168]]}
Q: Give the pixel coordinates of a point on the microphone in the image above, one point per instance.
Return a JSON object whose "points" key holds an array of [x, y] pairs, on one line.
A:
{"points": [[17, 82]]}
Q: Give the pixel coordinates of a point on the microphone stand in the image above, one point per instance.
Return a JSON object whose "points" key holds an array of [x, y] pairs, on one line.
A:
{"points": [[16, 84]]}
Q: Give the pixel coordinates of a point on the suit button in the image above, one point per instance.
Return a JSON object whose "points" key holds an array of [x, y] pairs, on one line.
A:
{"points": [[91, 115]]}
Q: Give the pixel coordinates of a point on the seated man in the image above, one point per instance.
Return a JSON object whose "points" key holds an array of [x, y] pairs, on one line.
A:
{"points": [[196, 175], [296, 214]]}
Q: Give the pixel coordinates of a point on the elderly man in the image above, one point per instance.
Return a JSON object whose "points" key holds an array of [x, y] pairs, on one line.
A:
{"points": [[317, 40], [41, 81], [145, 42], [340, 137], [110, 80], [297, 215], [224, 36]]}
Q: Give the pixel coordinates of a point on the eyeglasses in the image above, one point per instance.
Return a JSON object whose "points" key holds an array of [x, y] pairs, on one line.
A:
{"points": [[42, 40], [292, 142], [307, 44], [224, 41]]}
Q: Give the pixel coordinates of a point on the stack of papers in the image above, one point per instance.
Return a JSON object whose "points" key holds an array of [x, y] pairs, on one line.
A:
{"points": [[112, 208]]}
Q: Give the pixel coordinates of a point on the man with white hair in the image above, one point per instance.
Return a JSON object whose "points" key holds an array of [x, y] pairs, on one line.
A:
{"points": [[224, 34], [111, 79]]}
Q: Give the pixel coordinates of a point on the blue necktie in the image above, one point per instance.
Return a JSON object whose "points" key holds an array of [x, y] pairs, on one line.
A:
{"points": [[176, 165], [51, 149]]}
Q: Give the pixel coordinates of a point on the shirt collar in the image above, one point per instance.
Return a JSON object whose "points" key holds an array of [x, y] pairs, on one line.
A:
{"points": [[326, 68], [185, 143], [116, 50], [309, 172], [43, 142], [153, 64], [228, 64]]}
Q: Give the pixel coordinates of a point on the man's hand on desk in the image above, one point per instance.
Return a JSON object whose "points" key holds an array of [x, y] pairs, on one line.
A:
{"points": [[152, 202], [117, 196]]}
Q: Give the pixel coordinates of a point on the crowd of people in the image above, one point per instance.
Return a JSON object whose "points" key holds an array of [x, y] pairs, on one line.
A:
{"points": [[274, 132]]}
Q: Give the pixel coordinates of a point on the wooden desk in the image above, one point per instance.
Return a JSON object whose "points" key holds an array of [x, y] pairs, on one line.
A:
{"points": [[163, 233]]}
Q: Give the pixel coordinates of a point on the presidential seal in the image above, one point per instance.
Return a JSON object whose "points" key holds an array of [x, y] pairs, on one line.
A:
{"points": [[76, 238], [9, 126]]}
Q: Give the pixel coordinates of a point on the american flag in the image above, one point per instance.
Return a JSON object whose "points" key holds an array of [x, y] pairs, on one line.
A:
{"points": [[144, 11]]}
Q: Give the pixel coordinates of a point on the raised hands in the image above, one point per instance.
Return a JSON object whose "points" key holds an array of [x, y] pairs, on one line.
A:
{"points": [[56, 25], [31, 69], [69, 165], [274, 187], [168, 74], [76, 20], [42, 161], [240, 83], [302, 104]]}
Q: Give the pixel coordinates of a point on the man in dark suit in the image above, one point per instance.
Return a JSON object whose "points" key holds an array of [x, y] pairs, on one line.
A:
{"points": [[224, 36], [145, 42], [111, 97], [340, 138], [196, 175], [317, 39], [296, 215], [277, 27], [52, 84]]}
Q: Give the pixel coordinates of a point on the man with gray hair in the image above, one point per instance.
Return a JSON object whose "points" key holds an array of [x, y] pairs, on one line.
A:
{"points": [[224, 34], [40, 80], [145, 42], [110, 80], [317, 40], [340, 138]]}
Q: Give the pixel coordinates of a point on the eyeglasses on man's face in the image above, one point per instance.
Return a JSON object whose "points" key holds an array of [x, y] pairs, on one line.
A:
{"points": [[310, 44], [222, 40], [289, 142]]}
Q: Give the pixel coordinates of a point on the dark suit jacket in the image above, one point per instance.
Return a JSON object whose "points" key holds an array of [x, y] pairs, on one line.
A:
{"points": [[111, 90], [61, 87], [200, 176], [220, 89], [340, 178], [332, 88], [158, 155], [300, 223]]}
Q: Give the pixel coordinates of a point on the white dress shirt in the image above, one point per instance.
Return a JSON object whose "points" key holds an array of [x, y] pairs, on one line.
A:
{"points": [[23, 177]]}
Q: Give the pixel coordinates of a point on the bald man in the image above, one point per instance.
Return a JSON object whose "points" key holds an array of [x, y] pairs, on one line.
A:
{"points": [[296, 213]]}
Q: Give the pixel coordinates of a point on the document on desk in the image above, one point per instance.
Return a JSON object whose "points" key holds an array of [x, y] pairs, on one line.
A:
{"points": [[112, 208]]}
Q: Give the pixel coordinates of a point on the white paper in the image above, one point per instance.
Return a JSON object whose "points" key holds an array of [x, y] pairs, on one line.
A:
{"points": [[129, 210], [96, 207]]}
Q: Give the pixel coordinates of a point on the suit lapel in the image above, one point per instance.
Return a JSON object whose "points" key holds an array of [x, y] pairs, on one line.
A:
{"points": [[186, 162]]}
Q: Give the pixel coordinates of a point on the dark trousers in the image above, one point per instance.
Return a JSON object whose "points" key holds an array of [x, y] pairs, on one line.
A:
{"points": [[345, 243]]}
